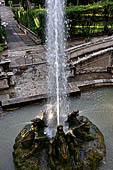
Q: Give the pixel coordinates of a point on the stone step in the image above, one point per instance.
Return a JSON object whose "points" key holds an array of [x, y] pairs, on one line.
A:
{"points": [[4, 84]]}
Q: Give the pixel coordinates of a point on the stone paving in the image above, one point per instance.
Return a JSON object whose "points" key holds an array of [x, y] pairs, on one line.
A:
{"points": [[31, 82], [28, 61], [30, 79], [23, 51], [16, 38], [27, 55]]}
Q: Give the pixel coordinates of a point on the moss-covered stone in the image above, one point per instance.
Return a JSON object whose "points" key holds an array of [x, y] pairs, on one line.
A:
{"points": [[80, 148], [94, 158]]}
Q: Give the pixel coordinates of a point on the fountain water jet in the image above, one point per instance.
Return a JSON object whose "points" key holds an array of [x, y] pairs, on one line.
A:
{"points": [[57, 80], [63, 150]]}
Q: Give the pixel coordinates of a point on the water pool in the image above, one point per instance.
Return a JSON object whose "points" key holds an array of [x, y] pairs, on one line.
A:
{"points": [[96, 104]]}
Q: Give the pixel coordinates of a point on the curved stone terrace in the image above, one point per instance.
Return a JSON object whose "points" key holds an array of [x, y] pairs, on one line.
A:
{"points": [[29, 64]]}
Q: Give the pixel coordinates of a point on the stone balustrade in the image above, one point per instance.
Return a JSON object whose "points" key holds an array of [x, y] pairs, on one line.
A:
{"points": [[30, 34]]}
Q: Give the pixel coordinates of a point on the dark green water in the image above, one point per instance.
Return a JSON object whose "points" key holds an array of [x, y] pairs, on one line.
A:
{"points": [[96, 104]]}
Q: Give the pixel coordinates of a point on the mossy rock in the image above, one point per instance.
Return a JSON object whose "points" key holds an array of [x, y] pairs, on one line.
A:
{"points": [[89, 153]]}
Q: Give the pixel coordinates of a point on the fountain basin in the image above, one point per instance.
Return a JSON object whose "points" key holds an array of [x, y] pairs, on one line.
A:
{"points": [[81, 147]]}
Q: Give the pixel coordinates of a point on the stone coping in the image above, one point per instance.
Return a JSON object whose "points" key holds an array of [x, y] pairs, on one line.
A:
{"points": [[77, 86], [10, 103], [89, 44], [28, 65], [92, 55], [4, 61], [88, 49], [95, 83], [22, 101], [30, 33]]}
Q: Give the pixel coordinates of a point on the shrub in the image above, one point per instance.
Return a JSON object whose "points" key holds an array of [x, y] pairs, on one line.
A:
{"points": [[2, 32], [1, 48], [10, 3], [84, 20]]}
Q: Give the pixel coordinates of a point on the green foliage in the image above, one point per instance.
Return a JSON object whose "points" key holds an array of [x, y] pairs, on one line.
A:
{"points": [[81, 2], [90, 19], [27, 19], [42, 2], [87, 39], [10, 2], [1, 48], [3, 33], [84, 20], [13, 2]]}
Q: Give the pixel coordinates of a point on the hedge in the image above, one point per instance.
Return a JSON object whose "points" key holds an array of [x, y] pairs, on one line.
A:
{"points": [[84, 20], [3, 33]]}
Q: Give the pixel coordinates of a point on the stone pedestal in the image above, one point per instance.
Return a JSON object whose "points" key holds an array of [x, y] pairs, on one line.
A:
{"points": [[80, 148], [6, 78]]}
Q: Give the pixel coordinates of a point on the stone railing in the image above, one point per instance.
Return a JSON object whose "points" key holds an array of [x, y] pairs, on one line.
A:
{"points": [[30, 34], [79, 66], [83, 49], [95, 83], [87, 57]]}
